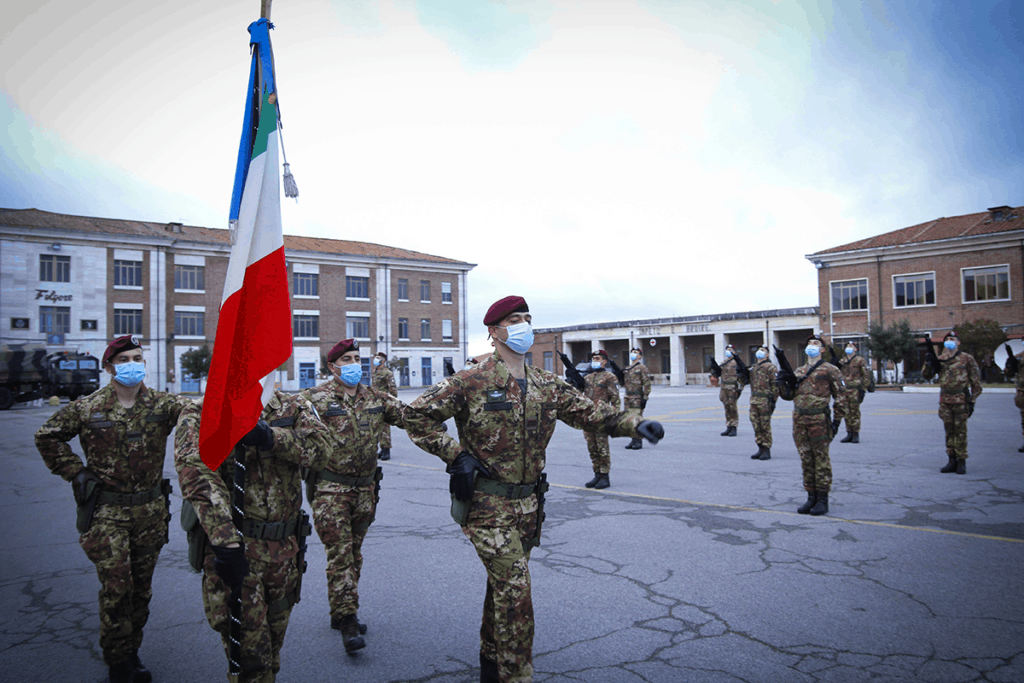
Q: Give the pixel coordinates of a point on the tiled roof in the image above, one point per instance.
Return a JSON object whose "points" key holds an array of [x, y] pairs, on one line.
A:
{"points": [[939, 229], [34, 218]]}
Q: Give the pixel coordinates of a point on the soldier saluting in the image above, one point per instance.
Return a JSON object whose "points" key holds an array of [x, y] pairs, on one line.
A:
{"points": [[505, 412], [960, 380], [638, 389], [121, 493]]}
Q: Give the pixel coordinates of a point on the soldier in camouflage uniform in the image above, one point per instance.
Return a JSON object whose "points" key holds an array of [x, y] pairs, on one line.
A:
{"points": [[1013, 371], [763, 394], [857, 377], [123, 431], [345, 491], [505, 412], [601, 388], [960, 380], [810, 389], [638, 389], [731, 383], [382, 379], [264, 560]]}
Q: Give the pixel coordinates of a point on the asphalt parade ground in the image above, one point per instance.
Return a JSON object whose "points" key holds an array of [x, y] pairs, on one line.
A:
{"points": [[693, 566]]}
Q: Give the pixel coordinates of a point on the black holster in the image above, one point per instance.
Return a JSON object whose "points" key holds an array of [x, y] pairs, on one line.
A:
{"points": [[83, 520], [542, 487], [196, 536]]}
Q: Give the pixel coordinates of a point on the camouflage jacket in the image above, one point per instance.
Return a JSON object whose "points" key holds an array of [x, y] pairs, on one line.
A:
{"points": [[507, 431], [1020, 373], [814, 392], [960, 378], [762, 381], [273, 491], [731, 380], [600, 386], [855, 371], [638, 383], [125, 447], [354, 424], [383, 379]]}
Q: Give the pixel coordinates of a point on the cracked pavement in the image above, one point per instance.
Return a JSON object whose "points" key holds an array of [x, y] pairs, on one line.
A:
{"points": [[693, 566]]}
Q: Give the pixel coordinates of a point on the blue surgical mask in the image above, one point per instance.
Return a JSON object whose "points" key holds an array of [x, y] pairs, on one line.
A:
{"points": [[850, 350], [520, 337], [728, 354], [596, 364], [376, 362], [350, 374], [949, 344], [129, 374], [633, 356], [761, 355], [812, 351]]}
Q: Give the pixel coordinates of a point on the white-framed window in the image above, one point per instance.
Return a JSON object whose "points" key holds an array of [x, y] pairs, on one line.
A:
{"points": [[446, 292], [549, 361], [403, 329], [914, 289], [55, 319], [54, 268], [188, 278], [446, 330], [986, 283], [403, 289], [357, 287], [306, 285], [189, 323], [850, 295], [127, 321], [424, 291], [128, 274], [305, 326], [424, 329], [357, 326]]}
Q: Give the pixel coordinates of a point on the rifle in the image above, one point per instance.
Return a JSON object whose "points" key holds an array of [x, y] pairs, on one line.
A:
{"points": [[786, 378], [716, 369], [742, 369], [572, 375], [617, 372], [834, 360], [934, 360], [1012, 364], [449, 368]]}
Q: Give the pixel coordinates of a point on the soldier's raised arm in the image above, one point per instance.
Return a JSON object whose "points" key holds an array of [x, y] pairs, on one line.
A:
{"points": [[206, 489], [306, 440], [425, 418]]}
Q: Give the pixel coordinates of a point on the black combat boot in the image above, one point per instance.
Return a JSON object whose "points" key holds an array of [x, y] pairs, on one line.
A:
{"points": [[961, 466], [488, 670], [731, 431], [602, 481], [760, 450], [350, 635], [812, 499], [950, 466], [385, 454], [122, 672], [848, 438], [636, 444], [593, 482], [855, 438], [727, 430], [767, 455], [821, 506], [835, 427], [336, 624], [141, 673], [1021, 449]]}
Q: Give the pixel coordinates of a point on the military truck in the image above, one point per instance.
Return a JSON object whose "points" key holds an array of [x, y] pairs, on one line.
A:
{"points": [[29, 372]]}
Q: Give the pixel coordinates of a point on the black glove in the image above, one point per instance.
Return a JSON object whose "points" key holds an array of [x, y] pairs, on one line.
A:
{"points": [[771, 405], [79, 482], [261, 436], [463, 470], [860, 396], [970, 408], [449, 368], [643, 404], [231, 565], [651, 430]]}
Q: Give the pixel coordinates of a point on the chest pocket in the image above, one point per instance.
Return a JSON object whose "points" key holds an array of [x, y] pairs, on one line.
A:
{"points": [[497, 399], [334, 410], [283, 422], [134, 436], [99, 421]]}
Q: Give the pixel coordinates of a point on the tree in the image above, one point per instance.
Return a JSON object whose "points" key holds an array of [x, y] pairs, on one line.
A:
{"points": [[896, 342], [980, 338], [196, 363]]}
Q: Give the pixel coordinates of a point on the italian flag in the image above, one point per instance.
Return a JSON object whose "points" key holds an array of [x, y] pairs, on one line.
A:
{"points": [[254, 331]]}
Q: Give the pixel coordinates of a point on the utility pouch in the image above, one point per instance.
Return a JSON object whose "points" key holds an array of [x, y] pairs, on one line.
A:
{"points": [[83, 519], [460, 510], [196, 536], [542, 487], [310, 477]]}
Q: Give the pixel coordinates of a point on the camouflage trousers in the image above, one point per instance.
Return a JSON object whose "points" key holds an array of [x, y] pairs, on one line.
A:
{"points": [[954, 419], [498, 527], [125, 549], [600, 453], [761, 410], [732, 414], [342, 516], [384, 438], [848, 407], [633, 403], [272, 577], [812, 436], [1018, 401]]}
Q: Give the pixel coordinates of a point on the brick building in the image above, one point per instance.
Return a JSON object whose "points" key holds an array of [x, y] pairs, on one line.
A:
{"points": [[74, 282]]}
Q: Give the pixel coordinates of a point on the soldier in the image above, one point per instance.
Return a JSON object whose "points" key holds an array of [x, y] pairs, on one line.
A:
{"points": [[505, 412], [809, 389], [858, 379], [731, 383], [1012, 370], [251, 543], [344, 493], [960, 380], [601, 388], [638, 389], [122, 496], [382, 379], [763, 394]]}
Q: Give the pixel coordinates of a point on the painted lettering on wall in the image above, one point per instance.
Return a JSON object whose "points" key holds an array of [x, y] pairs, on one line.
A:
{"points": [[52, 295], [698, 328]]}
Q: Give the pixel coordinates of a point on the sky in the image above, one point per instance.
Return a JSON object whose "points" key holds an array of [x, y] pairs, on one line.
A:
{"points": [[607, 160]]}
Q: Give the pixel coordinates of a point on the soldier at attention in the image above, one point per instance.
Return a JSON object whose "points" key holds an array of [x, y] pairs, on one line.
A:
{"points": [[382, 379], [505, 412], [249, 531], [638, 389], [1012, 371], [764, 392], [731, 383], [810, 387], [858, 380], [122, 497], [345, 491], [601, 388], [960, 382]]}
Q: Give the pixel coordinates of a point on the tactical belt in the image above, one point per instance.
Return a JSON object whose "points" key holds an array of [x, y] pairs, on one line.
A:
{"points": [[634, 393], [114, 498], [730, 383], [327, 475], [760, 394], [500, 488], [274, 531], [811, 411]]}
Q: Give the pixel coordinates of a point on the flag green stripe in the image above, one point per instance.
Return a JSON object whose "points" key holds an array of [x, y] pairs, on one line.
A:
{"points": [[268, 124]]}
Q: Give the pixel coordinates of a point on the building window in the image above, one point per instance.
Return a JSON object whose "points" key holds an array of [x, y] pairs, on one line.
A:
{"points": [[306, 326], [425, 291], [127, 273], [424, 329], [357, 287], [403, 289], [446, 292], [357, 328], [127, 321], [549, 361], [448, 362], [426, 368], [403, 328], [188, 324], [446, 330], [991, 283], [54, 268], [189, 278], [364, 362], [305, 284], [55, 319], [914, 290], [851, 295], [528, 358], [90, 325]]}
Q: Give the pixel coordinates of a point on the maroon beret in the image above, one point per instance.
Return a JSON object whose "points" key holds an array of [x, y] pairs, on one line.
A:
{"points": [[730, 346], [502, 308], [382, 355], [341, 347], [600, 352], [816, 337], [951, 335], [125, 343]]}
